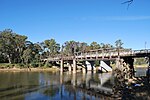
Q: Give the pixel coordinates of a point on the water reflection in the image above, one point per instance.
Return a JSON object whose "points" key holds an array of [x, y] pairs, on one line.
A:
{"points": [[54, 86]]}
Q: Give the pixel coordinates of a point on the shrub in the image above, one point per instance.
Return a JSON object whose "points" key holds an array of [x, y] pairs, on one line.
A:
{"points": [[48, 65], [22, 65], [33, 64]]}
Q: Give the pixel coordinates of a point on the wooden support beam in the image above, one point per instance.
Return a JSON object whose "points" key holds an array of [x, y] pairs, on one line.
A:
{"points": [[74, 66], [61, 65], [69, 66]]}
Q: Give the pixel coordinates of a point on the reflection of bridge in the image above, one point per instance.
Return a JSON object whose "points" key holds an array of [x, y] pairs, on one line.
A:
{"points": [[101, 83], [101, 54]]}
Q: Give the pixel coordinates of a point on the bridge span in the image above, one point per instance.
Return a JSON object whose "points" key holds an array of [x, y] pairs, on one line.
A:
{"points": [[98, 55]]}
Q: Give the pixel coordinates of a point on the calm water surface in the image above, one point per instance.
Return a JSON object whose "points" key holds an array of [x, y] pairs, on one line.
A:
{"points": [[53, 86], [56, 86]]}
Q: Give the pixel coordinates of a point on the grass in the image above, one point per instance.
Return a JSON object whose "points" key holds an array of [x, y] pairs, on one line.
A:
{"points": [[143, 65], [136, 66]]}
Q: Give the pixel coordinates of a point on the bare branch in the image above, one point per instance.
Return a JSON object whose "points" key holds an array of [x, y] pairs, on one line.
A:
{"points": [[129, 2]]}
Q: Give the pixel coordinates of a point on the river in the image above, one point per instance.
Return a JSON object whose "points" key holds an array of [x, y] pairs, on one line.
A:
{"points": [[55, 86]]}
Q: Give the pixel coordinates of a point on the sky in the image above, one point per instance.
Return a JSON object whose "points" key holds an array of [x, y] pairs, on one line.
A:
{"points": [[103, 21]]}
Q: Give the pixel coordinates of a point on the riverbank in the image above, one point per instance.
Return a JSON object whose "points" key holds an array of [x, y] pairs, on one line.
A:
{"points": [[29, 69], [6, 67]]}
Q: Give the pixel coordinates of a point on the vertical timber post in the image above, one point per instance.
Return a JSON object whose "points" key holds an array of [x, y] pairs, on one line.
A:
{"points": [[130, 61], [61, 65], [117, 63], [84, 67], [69, 66], [74, 66]]}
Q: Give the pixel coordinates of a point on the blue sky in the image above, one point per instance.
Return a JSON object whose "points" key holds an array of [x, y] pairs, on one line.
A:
{"points": [[103, 21]]}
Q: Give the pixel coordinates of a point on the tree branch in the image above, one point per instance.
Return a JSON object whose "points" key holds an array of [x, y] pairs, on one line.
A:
{"points": [[129, 2]]}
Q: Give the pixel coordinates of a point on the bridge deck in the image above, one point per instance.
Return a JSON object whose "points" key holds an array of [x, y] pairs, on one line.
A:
{"points": [[102, 54]]}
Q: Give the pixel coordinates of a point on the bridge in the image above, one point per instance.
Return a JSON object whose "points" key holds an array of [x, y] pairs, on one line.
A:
{"points": [[106, 55]]}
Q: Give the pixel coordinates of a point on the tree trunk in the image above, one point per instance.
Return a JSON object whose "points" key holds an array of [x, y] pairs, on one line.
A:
{"points": [[9, 59]]}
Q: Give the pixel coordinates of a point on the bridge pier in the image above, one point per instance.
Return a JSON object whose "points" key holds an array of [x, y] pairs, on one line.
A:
{"points": [[69, 66], [74, 66], [129, 62], [90, 65], [61, 65], [117, 63], [84, 70]]}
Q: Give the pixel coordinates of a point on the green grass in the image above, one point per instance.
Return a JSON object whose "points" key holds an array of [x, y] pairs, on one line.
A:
{"points": [[8, 65], [142, 65]]}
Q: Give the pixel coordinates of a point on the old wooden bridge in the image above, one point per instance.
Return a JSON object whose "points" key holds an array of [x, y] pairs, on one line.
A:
{"points": [[101, 55]]}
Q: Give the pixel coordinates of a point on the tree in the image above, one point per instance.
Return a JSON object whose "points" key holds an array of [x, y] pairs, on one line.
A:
{"points": [[69, 47], [20, 46], [34, 50], [27, 55], [82, 47], [11, 45], [94, 45], [52, 46], [106, 46], [119, 44]]}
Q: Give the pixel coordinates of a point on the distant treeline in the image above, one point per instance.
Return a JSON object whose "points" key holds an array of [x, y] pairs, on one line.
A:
{"points": [[15, 48]]}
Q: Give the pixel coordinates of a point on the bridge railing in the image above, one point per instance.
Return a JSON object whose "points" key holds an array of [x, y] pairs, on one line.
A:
{"points": [[142, 51], [104, 53], [100, 53]]}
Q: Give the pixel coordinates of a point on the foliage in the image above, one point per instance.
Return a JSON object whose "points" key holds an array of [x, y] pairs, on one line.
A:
{"points": [[140, 61], [27, 55], [16, 49], [52, 47], [70, 47], [97, 63], [34, 64], [11, 45], [119, 43], [94, 45], [47, 65]]}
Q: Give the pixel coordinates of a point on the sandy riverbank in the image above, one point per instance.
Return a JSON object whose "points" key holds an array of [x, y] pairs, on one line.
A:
{"points": [[29, 69]]}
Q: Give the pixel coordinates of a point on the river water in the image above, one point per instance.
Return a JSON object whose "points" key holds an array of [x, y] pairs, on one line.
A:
{"points": [[55, 86]]}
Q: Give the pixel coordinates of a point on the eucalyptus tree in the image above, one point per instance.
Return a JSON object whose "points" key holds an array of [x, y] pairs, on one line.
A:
{"points": [[119, 44], [32, 52], [52, 46], [82, 47], [27, 56], [19, 47], [94, 45], [108, 46], [70, 47], [11, 45]]}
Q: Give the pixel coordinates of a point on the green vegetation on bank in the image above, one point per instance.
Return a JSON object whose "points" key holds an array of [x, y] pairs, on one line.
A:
{"points": [[16, 50]]}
